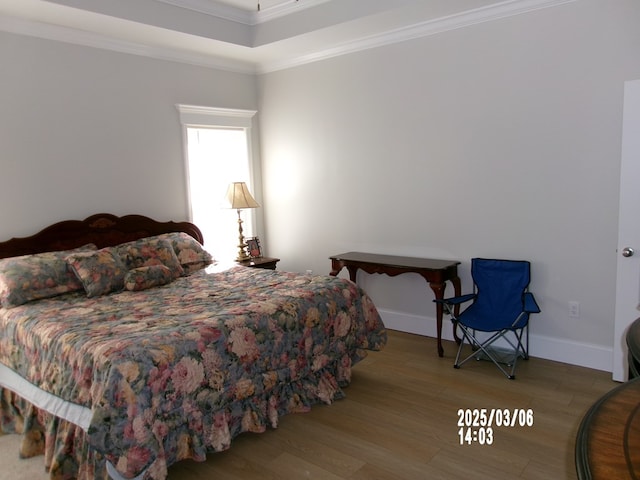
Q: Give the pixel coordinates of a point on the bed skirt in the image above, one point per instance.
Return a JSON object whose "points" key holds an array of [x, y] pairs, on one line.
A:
{"points": [[68, 455], [66, 452]]}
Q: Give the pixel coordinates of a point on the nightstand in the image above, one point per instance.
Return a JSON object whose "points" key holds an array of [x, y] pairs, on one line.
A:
{"points": [[261, 262]]}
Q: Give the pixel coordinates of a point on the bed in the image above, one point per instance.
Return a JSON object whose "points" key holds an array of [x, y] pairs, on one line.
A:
{"points": [[141, 353]]}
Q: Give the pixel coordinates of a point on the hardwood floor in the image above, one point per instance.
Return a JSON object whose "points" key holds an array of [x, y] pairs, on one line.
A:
{"points": [[399, 422]]}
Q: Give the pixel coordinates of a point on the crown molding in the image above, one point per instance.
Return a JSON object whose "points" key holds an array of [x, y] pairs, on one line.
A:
{"points": [[88, 39], [497, 11], [432, 27]]}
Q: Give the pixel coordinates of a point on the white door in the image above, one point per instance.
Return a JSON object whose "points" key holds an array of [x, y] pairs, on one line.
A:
{"points": [[628, 273]]}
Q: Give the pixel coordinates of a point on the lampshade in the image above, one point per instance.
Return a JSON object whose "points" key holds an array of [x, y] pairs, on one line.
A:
{"points": [[238, 196]]}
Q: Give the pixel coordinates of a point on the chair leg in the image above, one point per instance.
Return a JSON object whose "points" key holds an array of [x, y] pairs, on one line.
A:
{"points": [[518, 349], [456, 363]]}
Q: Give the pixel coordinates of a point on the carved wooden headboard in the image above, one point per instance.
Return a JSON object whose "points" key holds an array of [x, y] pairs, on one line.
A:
{"points": [[103, 229]]}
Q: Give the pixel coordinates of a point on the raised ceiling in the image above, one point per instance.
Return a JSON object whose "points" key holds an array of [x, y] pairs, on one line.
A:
{"points": [[252, 5], [235, 35]]}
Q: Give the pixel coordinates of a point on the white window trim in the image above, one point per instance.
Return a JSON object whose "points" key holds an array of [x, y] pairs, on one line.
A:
{"points": [[197, 116], [200, 116]]}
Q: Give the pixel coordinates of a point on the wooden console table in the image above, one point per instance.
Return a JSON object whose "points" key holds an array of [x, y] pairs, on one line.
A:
{"points": [[435, 272]]}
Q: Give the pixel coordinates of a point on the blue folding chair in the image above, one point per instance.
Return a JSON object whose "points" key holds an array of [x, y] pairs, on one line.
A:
{"points": [[501, 307]]}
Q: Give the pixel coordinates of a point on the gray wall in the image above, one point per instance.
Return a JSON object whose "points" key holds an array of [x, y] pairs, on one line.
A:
{"points": [[84, 131], [500, 139]]}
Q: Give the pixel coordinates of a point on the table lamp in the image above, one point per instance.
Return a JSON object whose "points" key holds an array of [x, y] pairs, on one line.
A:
{"points": [[239, 197]]}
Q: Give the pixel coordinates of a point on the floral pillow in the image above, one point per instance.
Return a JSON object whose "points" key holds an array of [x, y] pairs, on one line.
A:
{"points": [[191, 254], [142, 278], [41, 275], [160, 252], [100, 272]]}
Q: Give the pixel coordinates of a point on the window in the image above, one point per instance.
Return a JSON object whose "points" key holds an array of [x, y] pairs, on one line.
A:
{"points": [[217, 152]]}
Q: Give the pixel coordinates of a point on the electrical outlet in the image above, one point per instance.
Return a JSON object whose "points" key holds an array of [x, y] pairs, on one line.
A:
{"points": [[574, 309]]}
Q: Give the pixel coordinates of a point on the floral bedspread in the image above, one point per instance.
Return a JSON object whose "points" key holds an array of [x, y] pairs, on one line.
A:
{"points": [[179, 370]]}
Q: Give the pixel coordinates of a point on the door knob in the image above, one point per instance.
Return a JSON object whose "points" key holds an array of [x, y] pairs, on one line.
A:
{"points": [[628, 252]]}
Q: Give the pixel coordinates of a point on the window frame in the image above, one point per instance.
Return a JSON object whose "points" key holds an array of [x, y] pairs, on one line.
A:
{"points": [[195, 116]]}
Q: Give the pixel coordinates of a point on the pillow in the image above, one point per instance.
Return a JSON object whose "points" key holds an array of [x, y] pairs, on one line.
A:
{"points": [[191, 254], [41, 275], [142, 278], [159, 252], [100, 272]]}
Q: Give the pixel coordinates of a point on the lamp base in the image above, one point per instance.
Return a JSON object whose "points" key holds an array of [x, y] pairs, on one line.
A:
{"points": [[242, 246], [242, 254]]}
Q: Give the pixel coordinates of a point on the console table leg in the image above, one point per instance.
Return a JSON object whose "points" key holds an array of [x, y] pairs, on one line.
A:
{"points": [[336, 266], [438, 289], [353, 273]]}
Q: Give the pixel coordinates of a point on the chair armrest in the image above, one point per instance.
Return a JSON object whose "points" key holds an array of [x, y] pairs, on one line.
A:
{"points": [[530, 304], [456, 300]]}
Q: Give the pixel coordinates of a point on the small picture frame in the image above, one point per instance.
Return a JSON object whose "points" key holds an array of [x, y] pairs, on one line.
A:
{"points": [[253, 246]]}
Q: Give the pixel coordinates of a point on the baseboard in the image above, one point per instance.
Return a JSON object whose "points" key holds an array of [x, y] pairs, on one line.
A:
{"points": [[540, 346]]}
